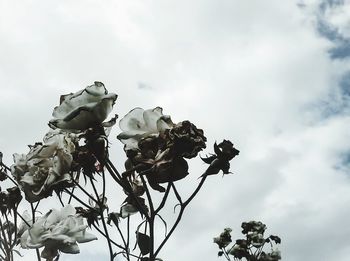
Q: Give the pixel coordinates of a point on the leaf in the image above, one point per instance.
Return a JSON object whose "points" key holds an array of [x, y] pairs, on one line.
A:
{"points": [[209, 159], [113, 217], [277, 239], [144, 243]]}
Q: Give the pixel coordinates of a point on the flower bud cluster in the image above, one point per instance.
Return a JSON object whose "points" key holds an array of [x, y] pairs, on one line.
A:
{"points": [[9, 199], [242, 249]]}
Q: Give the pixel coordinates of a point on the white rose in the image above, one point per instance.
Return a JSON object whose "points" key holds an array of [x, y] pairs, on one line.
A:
{"points": [[140, 123], [57, 231], [45, 166], [83, 109]]}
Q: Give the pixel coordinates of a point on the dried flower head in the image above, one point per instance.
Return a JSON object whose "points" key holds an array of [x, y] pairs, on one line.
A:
{"points": [[46, 167], [156, 147]]}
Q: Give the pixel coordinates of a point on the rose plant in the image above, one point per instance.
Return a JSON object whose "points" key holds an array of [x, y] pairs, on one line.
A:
{"points": [[72, 166], [250, 248]]}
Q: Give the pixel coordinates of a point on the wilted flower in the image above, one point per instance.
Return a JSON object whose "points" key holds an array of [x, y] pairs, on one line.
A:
{"points": [[132, 205], [135, 182], [140, 123], [46, 166], [275, 255], [224, 239], [57, 231], [158, 162], [83, 109], [242, 249], [185, 139], [224, 152], [253, 226], [93, 213], [156, 147], [239, 252], [9, 200]]}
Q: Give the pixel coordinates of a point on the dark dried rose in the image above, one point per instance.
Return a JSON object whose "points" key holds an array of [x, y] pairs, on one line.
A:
{"points": [[185, 139], [276, 239], [224, 239], [3, 202], [157, 162], [224, 152], [239, 252], [160, 156], [167, 171], [253, 226], [14, 197], [3, 175], [96, 143], [91, 215]]}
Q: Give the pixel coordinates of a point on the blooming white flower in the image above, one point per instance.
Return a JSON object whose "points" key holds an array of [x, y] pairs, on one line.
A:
{"points": [[140, 123], [45, 166], [83, 109], [57, 231]]}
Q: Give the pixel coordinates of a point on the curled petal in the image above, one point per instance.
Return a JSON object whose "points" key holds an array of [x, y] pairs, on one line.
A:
{"points": [[47, 165], [57, 230], [84, 109], [140, 123]]}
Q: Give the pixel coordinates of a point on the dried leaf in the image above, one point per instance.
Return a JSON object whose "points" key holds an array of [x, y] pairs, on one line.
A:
{"points": [[144, 243]]}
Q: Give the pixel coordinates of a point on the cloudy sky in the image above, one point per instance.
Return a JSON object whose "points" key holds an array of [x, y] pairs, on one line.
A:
{"points": [[272, 76]]}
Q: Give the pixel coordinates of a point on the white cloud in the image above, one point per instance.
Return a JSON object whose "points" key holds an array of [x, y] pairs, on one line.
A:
{"points": [[255, 72]]}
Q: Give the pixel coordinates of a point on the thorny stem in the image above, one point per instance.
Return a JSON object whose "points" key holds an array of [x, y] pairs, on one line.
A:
{"points": [[151, 219], [15, 223], [7, 251], [182, 209], [196, 191], [124, 241], [33, 217], [176, 193], [107, 235], [77, 199], [70, 197], [9, 236], [100, 206], [22, 218], [103, 184], [126, 186], [103, 234], [60, 200], [128, 235], [8, 176], [226, 254], [85, 192], [162, 203]]}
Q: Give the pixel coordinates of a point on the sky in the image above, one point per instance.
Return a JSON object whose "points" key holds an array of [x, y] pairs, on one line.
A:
{"points": [[272, 76]]}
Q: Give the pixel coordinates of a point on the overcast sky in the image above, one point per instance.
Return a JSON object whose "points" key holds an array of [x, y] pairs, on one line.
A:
{"points": [[272, 76]]}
